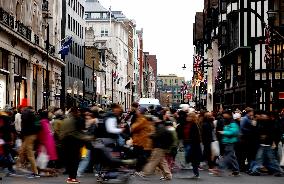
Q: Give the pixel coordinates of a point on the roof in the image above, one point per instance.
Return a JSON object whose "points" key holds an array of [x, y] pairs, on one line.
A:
{"points": [[94, 6]]}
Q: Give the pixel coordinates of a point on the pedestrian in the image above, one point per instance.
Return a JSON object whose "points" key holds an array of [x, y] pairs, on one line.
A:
{"points": [[29, 131], [6, 142], [57, 134], [248, 139], [207, 138], [230, 136], [73, 139], [161, 143], [141, 131], [191, 141], [46, 139], [265, 157]]}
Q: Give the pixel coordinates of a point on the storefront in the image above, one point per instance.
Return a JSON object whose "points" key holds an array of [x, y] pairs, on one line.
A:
{"points": [[20, 68], [4, 73]]}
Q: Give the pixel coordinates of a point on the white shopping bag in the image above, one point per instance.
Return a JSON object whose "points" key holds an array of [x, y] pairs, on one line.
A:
{"points": [[42, 159], [215, 149], [282, 159]]}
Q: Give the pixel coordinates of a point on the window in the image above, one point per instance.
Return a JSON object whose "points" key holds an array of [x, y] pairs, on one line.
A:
{"points": [[78, 72], [75, 49], [74, 5], [104, 32], [20, 66], [73, 25], [3, 60], [69, 2], [68, 21]]}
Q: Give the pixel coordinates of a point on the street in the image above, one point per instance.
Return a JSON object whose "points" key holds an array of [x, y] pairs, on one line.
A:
{"points": [[179, 178]]}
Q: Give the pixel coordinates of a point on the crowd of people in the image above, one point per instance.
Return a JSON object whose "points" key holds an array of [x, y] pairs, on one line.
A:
{"points": [[147, 140]]}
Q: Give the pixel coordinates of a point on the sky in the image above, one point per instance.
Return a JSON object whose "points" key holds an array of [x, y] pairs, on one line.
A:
{"points": [[167, 26]]}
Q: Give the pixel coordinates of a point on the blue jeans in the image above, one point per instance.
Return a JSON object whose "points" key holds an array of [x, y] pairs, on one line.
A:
{"points": [[190, 155], [84, 163], [230, 159], [266, 157]]}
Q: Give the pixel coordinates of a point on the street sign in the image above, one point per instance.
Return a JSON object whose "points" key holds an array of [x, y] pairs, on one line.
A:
{"points": [[281, 95], [188, 96]]}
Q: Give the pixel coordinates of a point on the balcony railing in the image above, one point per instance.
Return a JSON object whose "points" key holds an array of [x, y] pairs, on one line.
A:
{"points": [[18, 27], [6, 18], [36, 39], [23, 30]]}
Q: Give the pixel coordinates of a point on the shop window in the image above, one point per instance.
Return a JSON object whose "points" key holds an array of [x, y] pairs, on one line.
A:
{"points": [[20, 66]]}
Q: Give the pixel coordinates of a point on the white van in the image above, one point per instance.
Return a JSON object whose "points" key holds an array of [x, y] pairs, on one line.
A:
{"points": [[147, 102]]}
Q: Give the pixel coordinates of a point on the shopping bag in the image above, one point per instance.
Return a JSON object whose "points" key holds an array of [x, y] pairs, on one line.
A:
{"points": [[84, 152], [282, 158], [215, 149], [42, 159]]}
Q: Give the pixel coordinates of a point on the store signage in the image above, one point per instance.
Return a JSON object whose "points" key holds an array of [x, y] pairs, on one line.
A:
{"points": [[98, 85], [281, 95]]}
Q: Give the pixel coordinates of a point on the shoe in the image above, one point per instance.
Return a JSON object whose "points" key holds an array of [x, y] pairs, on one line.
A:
{"points": [[74, 181], [11, 174], [279, 174], [235, 174], [165, 178], [33, 176], [140, 174], [195, 177]]}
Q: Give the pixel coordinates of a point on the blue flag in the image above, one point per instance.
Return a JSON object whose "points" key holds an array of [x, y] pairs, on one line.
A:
{"points": [[68, 41], [65, 46], [64, 50]]}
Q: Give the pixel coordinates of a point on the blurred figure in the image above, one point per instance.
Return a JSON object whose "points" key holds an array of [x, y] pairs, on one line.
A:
{"points": [[6, 143], [207, 138], [46, 139], [141, 131], [73, 140], [229, 138], [161, 142], [57, 133], [18, 120], [248, 139], [171, 155], [265, 156], [191, 140], [29, 131]]}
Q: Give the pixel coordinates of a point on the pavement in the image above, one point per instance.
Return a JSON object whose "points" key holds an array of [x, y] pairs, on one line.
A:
{"points": [[182, 177]]}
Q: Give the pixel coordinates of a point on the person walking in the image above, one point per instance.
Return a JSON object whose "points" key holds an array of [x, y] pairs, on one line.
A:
{"points": [[162, 141], [191, 142], [207, 138], [29, 131], [141, 131], [248, 140], [230, 136], [46, 139], [73, 139]]}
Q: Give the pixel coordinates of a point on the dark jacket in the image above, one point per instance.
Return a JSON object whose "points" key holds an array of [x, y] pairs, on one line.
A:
{"points": [[207, 132], [265, 131], [247, 129], [162, 138], [30, 123]]}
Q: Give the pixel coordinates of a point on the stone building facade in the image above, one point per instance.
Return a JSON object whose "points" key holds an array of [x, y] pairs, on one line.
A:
{"points": [[23, 56]]}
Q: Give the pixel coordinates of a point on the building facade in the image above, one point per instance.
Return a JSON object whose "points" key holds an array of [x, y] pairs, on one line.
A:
{"points": [[111, 31], [25, 62], [73, 25], [171, 84], [250, 53]]}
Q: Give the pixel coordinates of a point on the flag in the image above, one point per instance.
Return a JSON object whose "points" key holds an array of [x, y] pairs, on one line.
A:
{"points": [[267, 56], [197, 62], [65, 46]]}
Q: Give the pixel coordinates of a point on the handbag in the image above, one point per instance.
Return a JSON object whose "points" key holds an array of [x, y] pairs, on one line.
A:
{"points": [[42, 159]]}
